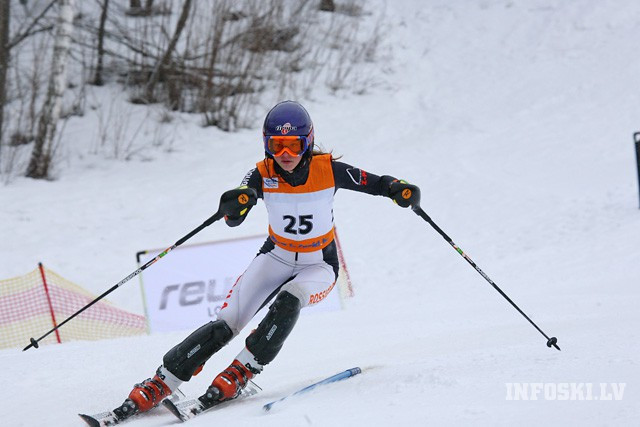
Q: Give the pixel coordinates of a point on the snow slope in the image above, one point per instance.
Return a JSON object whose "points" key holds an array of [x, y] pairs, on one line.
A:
{"points": [[515, 118]]}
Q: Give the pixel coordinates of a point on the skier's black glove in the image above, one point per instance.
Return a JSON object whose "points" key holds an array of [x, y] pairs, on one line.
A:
{"points": [[235, 204], [404, 194]]}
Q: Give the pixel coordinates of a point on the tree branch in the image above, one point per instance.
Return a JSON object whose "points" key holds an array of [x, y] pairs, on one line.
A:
{"points": [[28, 32]]}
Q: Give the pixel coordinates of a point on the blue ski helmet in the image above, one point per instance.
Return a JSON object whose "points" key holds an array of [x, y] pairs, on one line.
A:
{"points": [[288, 118]]}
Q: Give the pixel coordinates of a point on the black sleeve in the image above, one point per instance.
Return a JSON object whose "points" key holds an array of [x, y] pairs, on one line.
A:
{"points": [[351, 178], [253, 180]]}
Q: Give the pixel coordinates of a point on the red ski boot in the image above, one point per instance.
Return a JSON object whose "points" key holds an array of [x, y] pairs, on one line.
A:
{"points": [[149, 393], [228, 384]]}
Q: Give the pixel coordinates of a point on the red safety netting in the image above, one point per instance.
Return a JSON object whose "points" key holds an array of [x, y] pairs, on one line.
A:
{"points": [[25, 312]]}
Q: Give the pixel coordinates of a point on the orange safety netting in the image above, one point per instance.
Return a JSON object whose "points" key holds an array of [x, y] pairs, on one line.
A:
{"points": [[25, 312]]}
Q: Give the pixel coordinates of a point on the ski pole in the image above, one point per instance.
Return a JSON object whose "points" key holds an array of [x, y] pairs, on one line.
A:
{"points": [[553, 341], [215, 217]]}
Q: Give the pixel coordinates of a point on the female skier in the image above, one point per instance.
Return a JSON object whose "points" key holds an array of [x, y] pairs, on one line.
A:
{"points": [[298, 264]]}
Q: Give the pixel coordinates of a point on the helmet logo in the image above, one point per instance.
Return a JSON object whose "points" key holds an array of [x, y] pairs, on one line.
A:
{"points": [[286, 128]]}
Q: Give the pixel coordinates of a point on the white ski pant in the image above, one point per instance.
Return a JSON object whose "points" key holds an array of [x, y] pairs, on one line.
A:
{"points": [[307, 276]]}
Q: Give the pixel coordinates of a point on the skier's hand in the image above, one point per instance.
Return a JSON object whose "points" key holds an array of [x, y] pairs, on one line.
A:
{"points": [[404, 194], [235, 204]]}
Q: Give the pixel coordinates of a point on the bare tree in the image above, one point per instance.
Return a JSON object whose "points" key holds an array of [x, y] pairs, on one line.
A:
{"points": [[33, 28], [42, 153], [219, 58], [214, 43], [4, 61], [166, 57], [103, 20]]}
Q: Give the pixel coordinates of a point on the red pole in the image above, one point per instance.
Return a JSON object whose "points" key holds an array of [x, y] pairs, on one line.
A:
{"points": [[46, 291]]}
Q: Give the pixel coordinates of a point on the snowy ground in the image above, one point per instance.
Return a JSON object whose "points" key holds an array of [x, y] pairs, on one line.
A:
{"points": [[515, 118]]}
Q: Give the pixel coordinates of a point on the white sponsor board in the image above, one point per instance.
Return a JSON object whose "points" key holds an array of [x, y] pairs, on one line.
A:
{"points": [[187, 287]]}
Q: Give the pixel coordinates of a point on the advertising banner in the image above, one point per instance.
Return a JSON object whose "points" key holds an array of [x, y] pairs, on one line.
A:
{"points": [[187, 288]]}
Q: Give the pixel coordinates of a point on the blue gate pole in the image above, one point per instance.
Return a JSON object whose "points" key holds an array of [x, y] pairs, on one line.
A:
{"points": [[337, 377]]}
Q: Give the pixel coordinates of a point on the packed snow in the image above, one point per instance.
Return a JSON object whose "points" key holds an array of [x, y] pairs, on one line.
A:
{"points": [[514, 118]]}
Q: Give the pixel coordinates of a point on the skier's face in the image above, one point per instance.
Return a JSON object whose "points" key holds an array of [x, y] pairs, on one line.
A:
{"points": [[288, 162]]}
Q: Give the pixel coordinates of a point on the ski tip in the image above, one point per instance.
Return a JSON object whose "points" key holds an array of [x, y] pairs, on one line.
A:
{"points": [[89, 420]]}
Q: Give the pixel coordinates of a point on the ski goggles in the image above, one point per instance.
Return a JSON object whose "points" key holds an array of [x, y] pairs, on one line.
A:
{"points": [[278, 145]]}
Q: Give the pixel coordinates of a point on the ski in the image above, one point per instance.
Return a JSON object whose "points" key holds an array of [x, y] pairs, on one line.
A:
{"points": [[102, 419], [187, 409], [184, 410], [121, 414]]}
